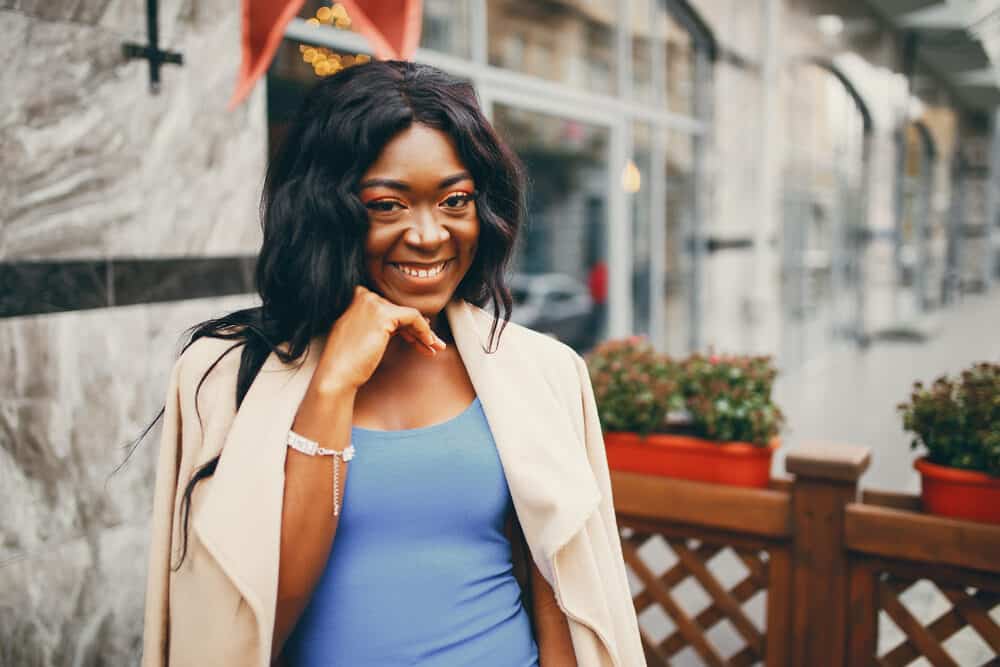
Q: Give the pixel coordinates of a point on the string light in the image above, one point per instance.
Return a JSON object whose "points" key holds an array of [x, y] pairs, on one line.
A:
{"points": [[324, 61]]}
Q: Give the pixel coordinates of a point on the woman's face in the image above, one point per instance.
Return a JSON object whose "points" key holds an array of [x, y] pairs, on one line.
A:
{"points": [[423, 228]]}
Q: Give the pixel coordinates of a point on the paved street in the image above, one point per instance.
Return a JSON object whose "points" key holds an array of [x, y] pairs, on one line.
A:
{"points": [[844, 394]]}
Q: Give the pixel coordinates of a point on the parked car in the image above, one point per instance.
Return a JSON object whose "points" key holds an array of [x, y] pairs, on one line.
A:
{"points": [[555, 304]]}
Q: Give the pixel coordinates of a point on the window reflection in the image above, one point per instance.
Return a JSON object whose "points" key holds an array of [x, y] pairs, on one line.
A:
{"points": [[295, 69], [560, 272], [583, 55], [324, 13], [447, 26], [643, 86], [680, 222], [679, 53], [637, 188]]}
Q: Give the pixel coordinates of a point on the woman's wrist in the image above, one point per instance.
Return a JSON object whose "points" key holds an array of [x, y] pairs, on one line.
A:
{"points": [[332, 388]]}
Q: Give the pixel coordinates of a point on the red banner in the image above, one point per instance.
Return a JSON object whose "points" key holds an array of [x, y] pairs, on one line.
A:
{"points": [[392, 28]]}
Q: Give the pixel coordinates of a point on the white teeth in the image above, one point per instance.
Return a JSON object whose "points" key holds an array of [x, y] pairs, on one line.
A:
{"points": [[422, 273]]}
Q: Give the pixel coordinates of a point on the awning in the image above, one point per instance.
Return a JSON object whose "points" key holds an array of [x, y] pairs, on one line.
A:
{"points": [[392, 27], [957, 40]]}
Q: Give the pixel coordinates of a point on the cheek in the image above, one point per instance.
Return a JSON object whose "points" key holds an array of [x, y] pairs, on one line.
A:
{"points": [[470, 238], [377, 244]]}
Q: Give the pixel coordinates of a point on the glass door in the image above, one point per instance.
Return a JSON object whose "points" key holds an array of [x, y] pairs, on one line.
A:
{"points": [[564, 277]]}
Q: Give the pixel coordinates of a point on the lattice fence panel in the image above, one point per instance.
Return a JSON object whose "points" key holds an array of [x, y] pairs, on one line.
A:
{"points": [[697, 563], [970, 613]]}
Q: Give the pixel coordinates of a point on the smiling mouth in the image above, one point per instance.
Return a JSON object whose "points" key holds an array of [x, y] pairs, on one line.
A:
{"points": [[421, 271]]}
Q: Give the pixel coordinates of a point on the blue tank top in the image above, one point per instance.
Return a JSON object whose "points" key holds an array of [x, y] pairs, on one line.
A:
{"points": [[420, 571]]}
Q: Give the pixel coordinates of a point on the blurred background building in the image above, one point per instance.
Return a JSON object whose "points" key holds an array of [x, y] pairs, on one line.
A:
{"points": [[724, 170], [772, 176]]}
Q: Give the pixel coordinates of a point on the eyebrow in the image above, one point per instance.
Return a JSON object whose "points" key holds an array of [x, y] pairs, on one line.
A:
{"points": [[402, 185]]}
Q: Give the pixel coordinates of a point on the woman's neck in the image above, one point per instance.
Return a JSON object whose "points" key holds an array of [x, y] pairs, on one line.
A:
{"points": [[440, 326], [401, 353]]}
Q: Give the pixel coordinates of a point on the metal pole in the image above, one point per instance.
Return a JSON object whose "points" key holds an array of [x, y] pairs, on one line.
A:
{"points": [[696, 231], [909, 53], [923, 231], [952, 273], [861, 235], [153, 30], [992, 262], [769, 161]]}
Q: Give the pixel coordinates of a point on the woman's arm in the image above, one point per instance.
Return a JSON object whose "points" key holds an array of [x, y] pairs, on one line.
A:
{"points": [[555, 648], [354, 348], [308, 524]]}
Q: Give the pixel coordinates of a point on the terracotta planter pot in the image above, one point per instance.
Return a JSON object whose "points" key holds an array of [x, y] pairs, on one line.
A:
{"points": [[962, 494], [685, 457]]}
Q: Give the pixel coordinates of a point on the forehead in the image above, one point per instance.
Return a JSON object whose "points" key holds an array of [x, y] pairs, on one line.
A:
{"points": [[418, 151]]}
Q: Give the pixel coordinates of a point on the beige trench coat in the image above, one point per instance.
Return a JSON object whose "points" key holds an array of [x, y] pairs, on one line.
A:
{"points": [[218, 608]]}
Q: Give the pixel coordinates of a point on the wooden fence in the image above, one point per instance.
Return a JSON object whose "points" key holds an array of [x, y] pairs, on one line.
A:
{"points": [[829, 557]]}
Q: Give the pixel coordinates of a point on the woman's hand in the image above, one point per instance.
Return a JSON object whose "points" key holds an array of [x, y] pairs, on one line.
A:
{"points": [[358, 339]]}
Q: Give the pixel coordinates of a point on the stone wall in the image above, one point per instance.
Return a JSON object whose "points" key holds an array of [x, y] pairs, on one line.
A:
{"points": [[93, 166]]}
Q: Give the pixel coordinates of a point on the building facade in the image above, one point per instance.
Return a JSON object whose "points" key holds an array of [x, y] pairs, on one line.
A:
{"points": [[746, 175]]}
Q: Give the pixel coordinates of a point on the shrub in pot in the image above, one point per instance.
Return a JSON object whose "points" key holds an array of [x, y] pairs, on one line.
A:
{"points": [[957, 421], [703, 418]]}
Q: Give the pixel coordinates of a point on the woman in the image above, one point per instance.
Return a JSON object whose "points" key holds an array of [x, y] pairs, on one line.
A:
{"points": [[389, 217]]}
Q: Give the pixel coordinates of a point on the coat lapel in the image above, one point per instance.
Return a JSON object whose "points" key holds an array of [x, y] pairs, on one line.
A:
{"points": [[551, 484], [546, 466], [239, 522]]}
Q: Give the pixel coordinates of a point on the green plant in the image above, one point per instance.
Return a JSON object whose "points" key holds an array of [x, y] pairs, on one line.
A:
{"points": [[729, 397], [723, 398], [957, 420], [635, 387]]}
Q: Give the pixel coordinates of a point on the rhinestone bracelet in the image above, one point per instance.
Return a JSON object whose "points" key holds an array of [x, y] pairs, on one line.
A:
{"points": [[311, 447]]}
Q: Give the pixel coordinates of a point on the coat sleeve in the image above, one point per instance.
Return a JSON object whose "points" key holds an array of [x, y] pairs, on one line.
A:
{"points": [[626, 622], [155, 640]]}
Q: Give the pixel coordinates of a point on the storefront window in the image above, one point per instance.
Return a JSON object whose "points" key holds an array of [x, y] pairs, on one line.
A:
{"points": [[295, 69], [560, 273], [678, 47], [644, 88], [447, 27], [446, 24], [522, 38], [680, 224], [326, 13], [635, 182]]}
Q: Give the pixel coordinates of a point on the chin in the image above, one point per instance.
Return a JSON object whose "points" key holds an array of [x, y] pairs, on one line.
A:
{"points": [[428, 304]]}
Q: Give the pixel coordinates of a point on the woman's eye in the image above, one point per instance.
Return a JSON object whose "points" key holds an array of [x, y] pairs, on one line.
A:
{"points": [[383, 206], [457, 200]]}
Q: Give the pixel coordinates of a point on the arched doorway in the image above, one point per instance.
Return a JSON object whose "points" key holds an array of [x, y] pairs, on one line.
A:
{"points": [[922, 251], [825, 192]]}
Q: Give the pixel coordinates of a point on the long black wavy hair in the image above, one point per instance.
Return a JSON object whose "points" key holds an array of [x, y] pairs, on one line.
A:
{"points": [[314, 223]]}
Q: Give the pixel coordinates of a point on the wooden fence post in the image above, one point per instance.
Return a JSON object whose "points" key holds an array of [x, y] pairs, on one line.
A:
{"points": [[826, 480]]}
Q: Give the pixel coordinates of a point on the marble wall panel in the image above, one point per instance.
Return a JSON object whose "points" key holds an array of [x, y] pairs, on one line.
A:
{"points": [[94, 168], [93, 164], [79, 387]]}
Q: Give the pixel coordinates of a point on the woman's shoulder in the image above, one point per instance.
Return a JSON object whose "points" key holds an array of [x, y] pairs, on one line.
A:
{"points": [[209, 363]]}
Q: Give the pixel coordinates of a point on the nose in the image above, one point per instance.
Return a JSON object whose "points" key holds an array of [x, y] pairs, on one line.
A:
{"points": [[427, 230]]}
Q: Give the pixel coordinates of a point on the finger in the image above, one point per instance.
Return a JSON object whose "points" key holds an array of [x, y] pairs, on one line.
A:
{"points": [[407, 334], [414, 319]]}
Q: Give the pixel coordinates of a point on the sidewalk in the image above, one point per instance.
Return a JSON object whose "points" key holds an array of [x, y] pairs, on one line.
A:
{"points": [[850, 395], [846, 394]]}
